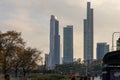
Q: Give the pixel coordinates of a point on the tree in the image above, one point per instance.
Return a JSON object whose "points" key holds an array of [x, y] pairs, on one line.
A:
{"points": [[9, 41], [26, 60], [79, 60], [14, 56], [29, 59], [16, 61]]}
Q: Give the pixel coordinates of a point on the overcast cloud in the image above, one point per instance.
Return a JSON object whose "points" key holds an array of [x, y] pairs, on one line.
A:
{"points": [[31, 17]]}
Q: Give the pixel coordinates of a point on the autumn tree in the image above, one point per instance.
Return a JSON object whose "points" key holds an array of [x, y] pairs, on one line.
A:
{"points": [[9, 41], [29, 59], [14, 56]]}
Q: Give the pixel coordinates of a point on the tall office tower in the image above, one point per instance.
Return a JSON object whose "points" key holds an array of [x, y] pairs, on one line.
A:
{"points": [[88, 34], [102, 49], [54, 55], [68, 44]]}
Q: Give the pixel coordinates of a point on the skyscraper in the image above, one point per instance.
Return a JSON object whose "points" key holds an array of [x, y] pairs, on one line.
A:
{"points": [[88, 34], [54, 55], [102, 49], [68, 44]]}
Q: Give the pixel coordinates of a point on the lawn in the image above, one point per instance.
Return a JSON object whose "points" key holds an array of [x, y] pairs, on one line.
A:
{"points": [[42, 77]]}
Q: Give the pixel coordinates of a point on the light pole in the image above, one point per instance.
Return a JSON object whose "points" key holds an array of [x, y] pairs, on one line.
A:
{"points": [[86, 67], [87, 63], [113, 40]]}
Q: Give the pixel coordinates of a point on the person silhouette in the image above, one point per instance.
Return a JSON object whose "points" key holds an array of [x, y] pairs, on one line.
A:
{"points": [[7, 77], [73, 76]]}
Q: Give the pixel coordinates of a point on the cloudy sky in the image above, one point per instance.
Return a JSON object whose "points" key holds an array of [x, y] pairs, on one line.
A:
{"points": [[31, 17]]}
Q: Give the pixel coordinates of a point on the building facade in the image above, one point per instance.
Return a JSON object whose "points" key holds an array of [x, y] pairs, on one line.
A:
{"points": [[102, 49], [68, 44], [88, 34], [54, 54]]}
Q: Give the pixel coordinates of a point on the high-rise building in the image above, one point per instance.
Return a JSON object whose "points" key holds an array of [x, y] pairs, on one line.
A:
{"points": [[54, 55], [68, 44], [102, 49], [88, 34]]}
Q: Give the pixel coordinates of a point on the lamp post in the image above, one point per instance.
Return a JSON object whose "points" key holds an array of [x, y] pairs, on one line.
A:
{"points": [[87, 63], [113, 40], [85, 67]]}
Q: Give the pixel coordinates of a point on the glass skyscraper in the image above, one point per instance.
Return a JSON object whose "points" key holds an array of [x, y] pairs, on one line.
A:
{"points": [[68, 44], [54, 55], [88, 34], [102, 49]]}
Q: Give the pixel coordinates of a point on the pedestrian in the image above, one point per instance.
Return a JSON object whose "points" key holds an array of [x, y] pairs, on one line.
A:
{"points": [[85, 78], [73, 76], [7, 77], [92, 77], [88, 78], [81, 78]]}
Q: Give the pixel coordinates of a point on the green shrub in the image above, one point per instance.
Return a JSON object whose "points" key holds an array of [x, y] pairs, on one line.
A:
{"points": [[47, 76]]}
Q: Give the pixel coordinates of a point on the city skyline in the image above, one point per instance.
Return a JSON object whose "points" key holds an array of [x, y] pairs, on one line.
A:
{"points": [[32, 19]]}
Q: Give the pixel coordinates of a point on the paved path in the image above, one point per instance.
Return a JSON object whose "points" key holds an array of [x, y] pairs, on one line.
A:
{"points": [[97, 78]]}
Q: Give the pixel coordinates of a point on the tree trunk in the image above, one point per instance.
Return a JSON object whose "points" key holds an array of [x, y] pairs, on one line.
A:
{"points": [[4, 68], [24, 72], [16, 72]]}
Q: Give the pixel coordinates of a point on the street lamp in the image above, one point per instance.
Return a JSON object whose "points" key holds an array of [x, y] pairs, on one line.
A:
{"points": [[85, 67], [87, 63], [113, 40]]}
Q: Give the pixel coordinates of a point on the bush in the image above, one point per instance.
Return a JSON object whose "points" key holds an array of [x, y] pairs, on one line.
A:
{"points": [[47, 76]]}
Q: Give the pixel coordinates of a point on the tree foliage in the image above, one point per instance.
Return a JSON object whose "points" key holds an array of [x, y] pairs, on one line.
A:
{"points": [[13, 54], [9, 41], [78, 67]]}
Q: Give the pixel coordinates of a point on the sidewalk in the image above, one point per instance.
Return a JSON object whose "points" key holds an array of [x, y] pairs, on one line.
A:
{"points": [[97, 78]]}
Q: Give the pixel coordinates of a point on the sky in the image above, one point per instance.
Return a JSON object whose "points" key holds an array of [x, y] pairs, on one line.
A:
{"points": [[32, 19]]}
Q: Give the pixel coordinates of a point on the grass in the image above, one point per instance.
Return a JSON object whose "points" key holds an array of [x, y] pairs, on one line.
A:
{"points": [[43, 77]]}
